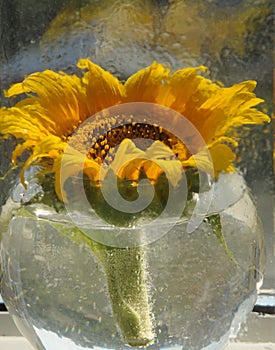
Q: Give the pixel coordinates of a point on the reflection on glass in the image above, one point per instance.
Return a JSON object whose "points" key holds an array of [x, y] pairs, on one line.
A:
{"points": [[198, 285]]}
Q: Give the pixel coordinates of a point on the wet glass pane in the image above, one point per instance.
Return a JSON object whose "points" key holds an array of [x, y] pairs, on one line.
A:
{"points": [[234, 40]]}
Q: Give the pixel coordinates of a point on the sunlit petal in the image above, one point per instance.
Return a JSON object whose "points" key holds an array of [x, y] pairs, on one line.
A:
{"points": [[146, 84], [53, 105], [100, 89]]}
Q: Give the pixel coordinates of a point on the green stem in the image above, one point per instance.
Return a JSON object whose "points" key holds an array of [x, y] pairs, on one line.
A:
{"points": [[127, 281]]}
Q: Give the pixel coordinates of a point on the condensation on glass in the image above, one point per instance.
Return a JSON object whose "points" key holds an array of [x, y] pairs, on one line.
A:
{"points": [[234, 39]]}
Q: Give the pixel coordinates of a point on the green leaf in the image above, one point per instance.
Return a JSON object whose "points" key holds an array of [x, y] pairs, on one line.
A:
{"points": [[215, 223]]}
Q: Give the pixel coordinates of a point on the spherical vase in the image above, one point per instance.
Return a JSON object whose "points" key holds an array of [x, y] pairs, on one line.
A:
{"points": [[186, 289]]}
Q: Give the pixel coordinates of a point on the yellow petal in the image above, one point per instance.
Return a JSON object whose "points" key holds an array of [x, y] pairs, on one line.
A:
{"points": [[20, 148], [100, 89], [183, 86], [158, 158], [131, 170], [57, 97], [219, 158], [230, 107], [19, 123], [222, 157], [152, 170], [128, 160], [162, 160], [201, 160], [44, 152], [57, 103], [145, 85], [72, 163]]}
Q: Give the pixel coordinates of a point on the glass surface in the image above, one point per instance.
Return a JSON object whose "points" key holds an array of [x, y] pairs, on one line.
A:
{"points": [[198, 295], [234, 39]]}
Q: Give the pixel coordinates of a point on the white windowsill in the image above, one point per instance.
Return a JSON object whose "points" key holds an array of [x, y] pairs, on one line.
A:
{"points": [[19, 343], [257, 334]]}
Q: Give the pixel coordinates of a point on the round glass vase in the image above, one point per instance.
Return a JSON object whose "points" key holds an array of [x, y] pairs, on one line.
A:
{"points": [[188, 289]]}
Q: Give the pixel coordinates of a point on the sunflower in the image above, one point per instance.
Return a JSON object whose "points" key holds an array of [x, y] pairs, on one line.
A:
{"points": [[58, 121], [56, 104]]}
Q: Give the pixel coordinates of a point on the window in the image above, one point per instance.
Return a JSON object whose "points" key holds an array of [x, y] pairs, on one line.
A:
{"points": [[234, 39]]}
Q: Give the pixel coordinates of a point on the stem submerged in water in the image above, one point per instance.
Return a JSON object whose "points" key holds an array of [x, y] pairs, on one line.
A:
{"points": [[127, 281]]}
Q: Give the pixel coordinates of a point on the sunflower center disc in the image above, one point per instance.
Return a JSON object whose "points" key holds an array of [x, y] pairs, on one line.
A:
{"points": [[128, 185]]}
